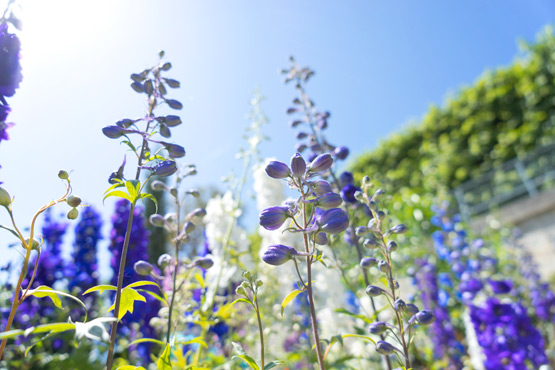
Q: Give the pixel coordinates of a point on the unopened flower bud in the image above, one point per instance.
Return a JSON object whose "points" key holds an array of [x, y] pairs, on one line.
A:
{"points": [[259, 283], [361, 230], [374, 291], [321, 239], [329, 200], [188, 227], [174, 150], [424, 317], [298, 165], [391, 246], [198, 212], [172, 121], [377, 327], [321, 163], [321, 187], [400, 305], [164, 260], [158, 185], [113, 132], [333, 221], [143, 268], [341, 152], [35, 245], [157, 220], [368, 262], [277, 170], [240, 290], [370, 243], [195, 193], [272, 218], [384, 348], [73, 214], [398, 229], [278, 254], [5, 199], [204, 262], [63, 175], [411, 309], [173, 192], [73, 200], [383, 266], [165, 168]]}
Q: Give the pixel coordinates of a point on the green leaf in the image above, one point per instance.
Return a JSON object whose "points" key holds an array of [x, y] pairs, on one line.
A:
{"points": [[10, 230], [197, 340], [128, 298], [100, 288], [289, 298], [57, 327], [117, 193], [271, 365], [358, 316], [141, 283], [249, 360], [130, 367], [44, 291], [11, 333], [242, 300], [146, 340], [131, 190], [358, 336], [119, 184], [164, 362], [152, 198], [154, 295], [238, 348], [37, 342]]}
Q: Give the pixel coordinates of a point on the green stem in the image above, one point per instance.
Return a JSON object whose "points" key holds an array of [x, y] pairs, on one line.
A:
{"points": [[260, 330]]}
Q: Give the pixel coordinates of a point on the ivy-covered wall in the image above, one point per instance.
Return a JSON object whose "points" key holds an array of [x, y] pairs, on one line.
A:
{"points": [[505, 113]]}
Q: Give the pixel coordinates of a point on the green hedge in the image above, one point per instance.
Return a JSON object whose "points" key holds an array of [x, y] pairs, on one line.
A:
{"points": [[505, 114]]}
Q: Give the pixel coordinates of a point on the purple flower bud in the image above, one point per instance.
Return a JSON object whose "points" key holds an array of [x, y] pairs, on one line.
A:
{"points": [[300, 147], [348, 193], [341, 152], [172, 121], [278, 254], [272, 218], [321, 163], [157, 220], [125, 123], [165, 168], [298, 165], [333, 221], [164, 260], [204, 262], [329, 200], [174, 150], [301, 135], [188, 227], [197, 212], [400, 305], [398, 229], [384, 348], [321, 187], [361, 231], [411, 309], [277, 170], [295, 123], [158, 186], [377, 327], [423, 318], [143, 268], [383, 266], [374, 291], [368, 262], [321, 239], [113, 132], [391, 246], [346, 178]]}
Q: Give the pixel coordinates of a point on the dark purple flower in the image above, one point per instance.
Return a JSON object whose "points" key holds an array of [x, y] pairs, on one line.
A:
{"points": [[501, 286], [348, 193], [341, 152], [278, 254]]}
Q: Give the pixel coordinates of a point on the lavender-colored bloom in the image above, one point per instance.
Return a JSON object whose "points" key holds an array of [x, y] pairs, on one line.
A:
{"points": [[298, 165], [272, 218], [321, 163], [333, 221], [278, 254], [10, 69], [277, 170]]}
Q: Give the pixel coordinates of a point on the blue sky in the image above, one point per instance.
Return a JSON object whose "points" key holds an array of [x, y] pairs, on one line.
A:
{"points": [[379, 65]]}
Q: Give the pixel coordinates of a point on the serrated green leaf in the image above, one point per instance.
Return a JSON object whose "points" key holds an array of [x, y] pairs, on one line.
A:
{"points": [[164, 361], [100, 288], [127, 301], [289, 298], [117, 193]]}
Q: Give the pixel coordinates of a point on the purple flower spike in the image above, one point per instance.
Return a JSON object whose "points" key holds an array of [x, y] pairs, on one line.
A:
{"points": [[272, 218], [329, 200], [278, 254], [298, 165], [10, 69], [165, 168], [277, 170], [333, 221], [321, 163]]}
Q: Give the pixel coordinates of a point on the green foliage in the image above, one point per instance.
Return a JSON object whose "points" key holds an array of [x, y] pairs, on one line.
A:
{"points": [[504, 114]]}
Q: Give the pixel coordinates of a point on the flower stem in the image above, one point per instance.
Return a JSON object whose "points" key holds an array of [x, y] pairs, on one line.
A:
{"points": [[257, 309]]}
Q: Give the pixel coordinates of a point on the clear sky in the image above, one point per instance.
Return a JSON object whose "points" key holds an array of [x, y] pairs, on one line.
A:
{"points": [[378, 65]]}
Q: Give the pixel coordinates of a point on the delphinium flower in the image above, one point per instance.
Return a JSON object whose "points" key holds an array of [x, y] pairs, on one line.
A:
{"points": [[505, 333], [138, 251], [442, 333], [379, 235], [312, 124], [154, 156], [314, 214]]}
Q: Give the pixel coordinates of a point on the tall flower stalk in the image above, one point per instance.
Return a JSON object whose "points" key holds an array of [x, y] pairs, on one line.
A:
{"points": [[161, 162]]}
